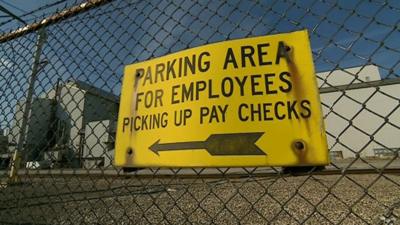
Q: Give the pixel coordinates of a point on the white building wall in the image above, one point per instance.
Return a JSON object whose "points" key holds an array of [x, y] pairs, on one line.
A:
{"points": [[350, 124], [37, 126], [348, 76], [99, 137], [70, 111]]}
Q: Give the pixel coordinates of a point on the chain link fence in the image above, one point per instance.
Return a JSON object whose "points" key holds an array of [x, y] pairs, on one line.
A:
{"points": [[60, 83]]}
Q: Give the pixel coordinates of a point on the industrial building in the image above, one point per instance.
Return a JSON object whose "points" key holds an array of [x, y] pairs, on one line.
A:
{"points": [[4, 160], [99, 144], [350, 123], [3, 142], [74, 124], [57, 122], [37, 129]]}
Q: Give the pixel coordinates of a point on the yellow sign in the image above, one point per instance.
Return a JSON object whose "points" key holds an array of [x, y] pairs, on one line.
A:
{"points": [[247, 102]]}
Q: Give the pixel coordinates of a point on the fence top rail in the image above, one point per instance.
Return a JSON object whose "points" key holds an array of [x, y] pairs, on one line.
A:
{"points": [[370, 84], [64, 14]]}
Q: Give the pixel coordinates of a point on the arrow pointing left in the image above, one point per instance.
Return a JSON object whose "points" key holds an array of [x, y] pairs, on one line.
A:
{"points": [[217, 145]]}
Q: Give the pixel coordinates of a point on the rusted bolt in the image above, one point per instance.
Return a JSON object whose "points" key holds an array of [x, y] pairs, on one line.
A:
{"points": [[299, 145], [284, 50], [129, 151]]}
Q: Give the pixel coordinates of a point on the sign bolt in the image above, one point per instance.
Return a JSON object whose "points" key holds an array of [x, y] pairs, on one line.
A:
{"points": [[129, 151], [299, 145]]}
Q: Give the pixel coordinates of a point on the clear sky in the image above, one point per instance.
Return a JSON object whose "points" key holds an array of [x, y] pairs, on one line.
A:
{"points": [[20, 7], [24, 9], [95, 46]]}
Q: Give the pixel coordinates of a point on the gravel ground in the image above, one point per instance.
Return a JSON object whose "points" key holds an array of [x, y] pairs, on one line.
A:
{"points": [[329, 199]]}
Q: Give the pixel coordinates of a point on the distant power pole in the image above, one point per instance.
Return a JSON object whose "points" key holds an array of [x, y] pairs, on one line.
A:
{"points": [[36, 67]]}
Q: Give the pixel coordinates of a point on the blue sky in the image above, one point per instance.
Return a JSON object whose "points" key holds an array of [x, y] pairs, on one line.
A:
{"points": [[96, 45], [24, 8]]}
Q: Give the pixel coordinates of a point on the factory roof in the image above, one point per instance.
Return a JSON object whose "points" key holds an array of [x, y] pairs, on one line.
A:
{"points": [[93, 90], [85, 87]]}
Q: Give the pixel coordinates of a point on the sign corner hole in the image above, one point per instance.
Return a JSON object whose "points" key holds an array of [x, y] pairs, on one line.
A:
{"points": [[129, 151], [299, 145]]}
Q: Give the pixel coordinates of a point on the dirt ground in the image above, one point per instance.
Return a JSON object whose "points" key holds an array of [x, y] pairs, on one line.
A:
{"points": [[280, 199]]}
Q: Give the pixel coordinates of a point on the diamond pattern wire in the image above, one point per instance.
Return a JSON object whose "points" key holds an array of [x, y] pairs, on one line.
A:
{"points": [[65, 171]]}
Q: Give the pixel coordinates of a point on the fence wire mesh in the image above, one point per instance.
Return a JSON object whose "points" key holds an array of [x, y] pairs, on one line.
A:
{"points": [[60, 84]]}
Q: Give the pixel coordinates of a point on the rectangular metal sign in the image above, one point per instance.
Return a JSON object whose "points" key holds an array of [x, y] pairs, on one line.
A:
{"points": [[246, 102]]}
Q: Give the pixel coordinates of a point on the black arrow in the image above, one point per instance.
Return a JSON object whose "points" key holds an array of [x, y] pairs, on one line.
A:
{"points": [[217, 145]]}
